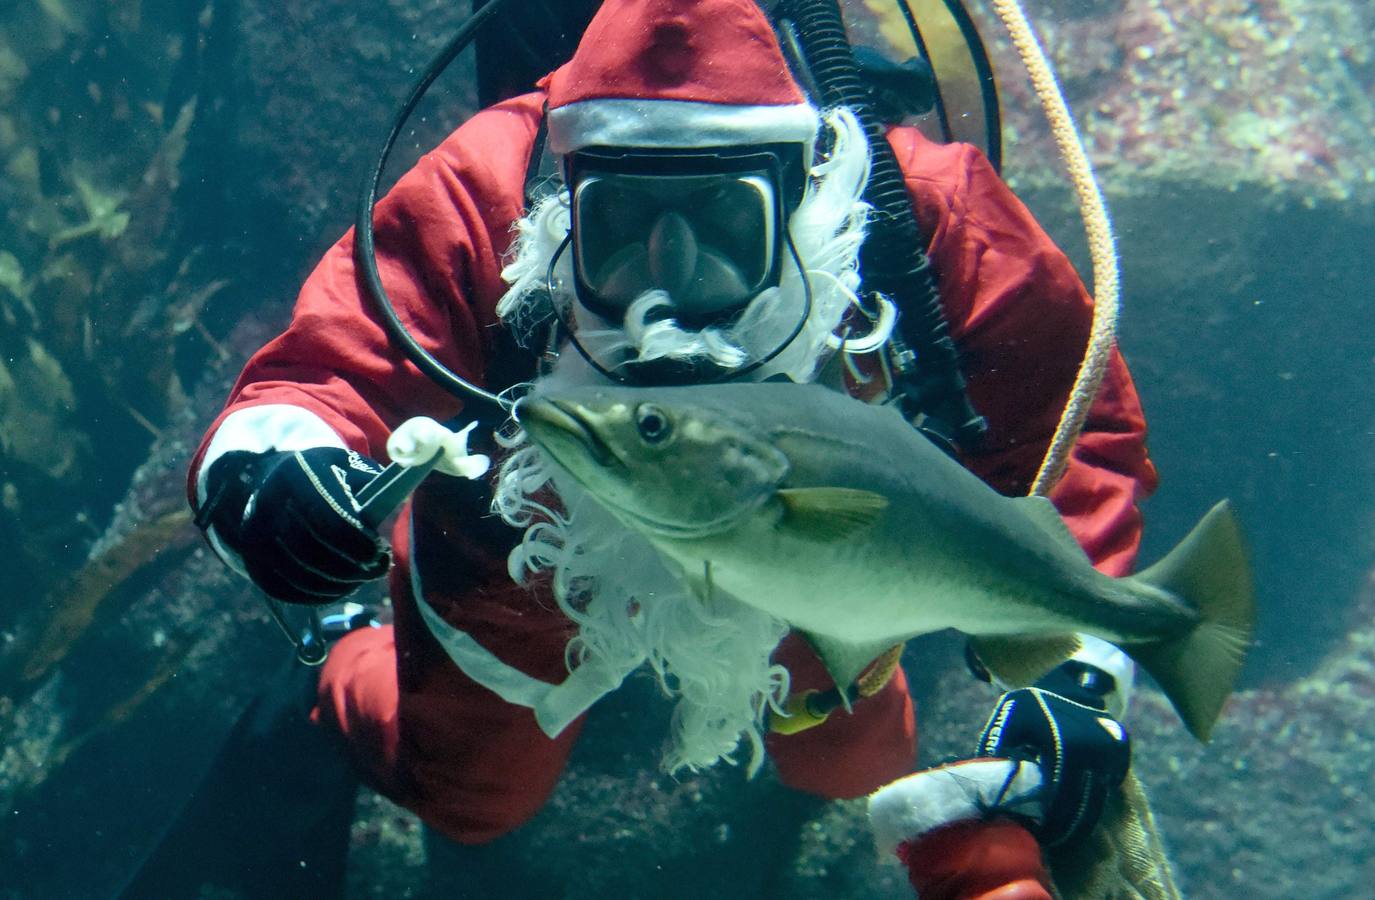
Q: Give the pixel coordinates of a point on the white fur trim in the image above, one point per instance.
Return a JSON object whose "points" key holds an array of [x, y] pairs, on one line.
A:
{"points": [[1100, 654], [912, 806], [677, 123], [555, 705], [630, 605], [258, 429]]}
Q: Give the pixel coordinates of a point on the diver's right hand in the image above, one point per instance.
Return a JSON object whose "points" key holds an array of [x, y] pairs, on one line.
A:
{"points": [[293, 521]]}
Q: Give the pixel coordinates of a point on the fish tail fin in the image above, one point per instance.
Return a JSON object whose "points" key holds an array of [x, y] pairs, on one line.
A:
{"points": [[1209, 571]]}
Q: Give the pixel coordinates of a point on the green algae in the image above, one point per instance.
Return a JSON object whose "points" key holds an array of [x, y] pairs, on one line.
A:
{"points": [[104, 216], [36, 398]]}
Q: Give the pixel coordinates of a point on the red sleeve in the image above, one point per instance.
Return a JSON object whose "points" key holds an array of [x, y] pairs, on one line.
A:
{"points": [[1021, 317], [440, 235]]}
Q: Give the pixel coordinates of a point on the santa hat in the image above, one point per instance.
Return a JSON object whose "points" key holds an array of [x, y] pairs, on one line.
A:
{"points": [[677, 73]]}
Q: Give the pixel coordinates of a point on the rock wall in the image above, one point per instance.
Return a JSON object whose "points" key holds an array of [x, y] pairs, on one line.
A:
{"points": [[1233, 139]]}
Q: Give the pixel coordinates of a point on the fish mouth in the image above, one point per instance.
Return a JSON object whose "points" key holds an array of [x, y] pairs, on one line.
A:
{"points": [[555, 425], [563, 418]]}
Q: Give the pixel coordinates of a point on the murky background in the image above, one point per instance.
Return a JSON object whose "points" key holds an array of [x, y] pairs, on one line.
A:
{"points": [[173, 168]]}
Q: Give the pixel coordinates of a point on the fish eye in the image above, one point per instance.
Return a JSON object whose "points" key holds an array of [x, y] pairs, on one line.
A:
{"points": [[652, 423]]}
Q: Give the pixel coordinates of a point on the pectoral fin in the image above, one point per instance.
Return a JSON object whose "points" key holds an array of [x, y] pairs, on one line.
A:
{"points": [[845, 661], [829, 513], [1017, 661]]}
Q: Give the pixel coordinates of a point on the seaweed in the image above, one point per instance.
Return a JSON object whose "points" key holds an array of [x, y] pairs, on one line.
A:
{"points": [[61, 15], [103, 218], [15, 292], [100, 290], [35, 396], [73, 604]]}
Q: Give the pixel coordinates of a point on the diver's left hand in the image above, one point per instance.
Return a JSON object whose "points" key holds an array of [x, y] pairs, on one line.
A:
{"points": [[1062, 724]]}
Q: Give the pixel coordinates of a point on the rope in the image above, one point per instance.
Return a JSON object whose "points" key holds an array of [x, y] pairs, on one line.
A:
{"points": [[1102, 335], [1134, 862]]}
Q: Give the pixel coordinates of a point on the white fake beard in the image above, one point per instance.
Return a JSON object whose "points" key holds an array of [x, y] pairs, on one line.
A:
{"points": [[630, 608], [629, 605]]}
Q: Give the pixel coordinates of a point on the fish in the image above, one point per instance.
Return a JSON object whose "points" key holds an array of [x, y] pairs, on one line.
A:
{"points": [[839, 518]]}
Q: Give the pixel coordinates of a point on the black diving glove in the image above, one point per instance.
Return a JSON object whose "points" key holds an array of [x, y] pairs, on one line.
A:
{"points": [[1062, 724], [293, 520]]}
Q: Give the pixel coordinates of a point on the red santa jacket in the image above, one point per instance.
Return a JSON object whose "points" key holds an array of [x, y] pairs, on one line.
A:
{"points": [[1017, 310]]}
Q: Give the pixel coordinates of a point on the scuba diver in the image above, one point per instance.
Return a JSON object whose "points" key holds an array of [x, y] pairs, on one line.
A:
{"points": [[710, 215]]}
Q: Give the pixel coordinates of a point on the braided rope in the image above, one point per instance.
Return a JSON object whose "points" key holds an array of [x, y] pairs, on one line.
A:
{"points": [[1102, 335]]}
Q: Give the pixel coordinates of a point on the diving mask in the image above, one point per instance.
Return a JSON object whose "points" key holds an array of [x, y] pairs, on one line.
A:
{"points": [[705, 227]]}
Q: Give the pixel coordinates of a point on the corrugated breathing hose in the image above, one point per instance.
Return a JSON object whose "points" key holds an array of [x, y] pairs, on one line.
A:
{"points": [[893, 259]]}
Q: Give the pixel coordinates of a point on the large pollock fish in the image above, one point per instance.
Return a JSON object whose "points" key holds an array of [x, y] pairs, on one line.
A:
{"points": [[839, 518]]}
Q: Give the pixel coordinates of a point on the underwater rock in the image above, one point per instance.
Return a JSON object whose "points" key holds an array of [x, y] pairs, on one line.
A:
{"points": [[1251, 356], [313, 89], [1232, 139], [1251, 94], [1275, 807]]}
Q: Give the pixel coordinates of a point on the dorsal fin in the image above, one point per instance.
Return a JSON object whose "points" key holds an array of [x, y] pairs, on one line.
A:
{"points": [[1041, 511]]}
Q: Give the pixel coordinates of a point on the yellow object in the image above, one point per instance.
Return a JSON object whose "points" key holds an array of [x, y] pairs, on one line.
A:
{"points": [[799, 715]]}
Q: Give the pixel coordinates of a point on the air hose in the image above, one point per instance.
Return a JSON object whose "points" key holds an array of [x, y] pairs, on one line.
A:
{"points": [[479, 402], [892, 259]]}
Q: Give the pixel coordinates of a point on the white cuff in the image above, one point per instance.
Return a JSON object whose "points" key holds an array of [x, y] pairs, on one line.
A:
{"points": [[258, 429], [1100, 654], [642, 122], [913, 806]]}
